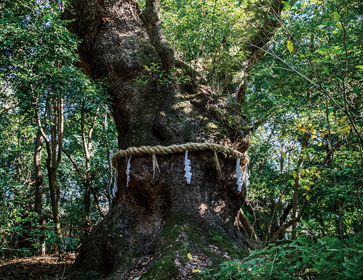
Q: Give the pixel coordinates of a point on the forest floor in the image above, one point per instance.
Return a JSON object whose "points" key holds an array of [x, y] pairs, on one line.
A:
{"points": [[36, 267], [52, 267]]}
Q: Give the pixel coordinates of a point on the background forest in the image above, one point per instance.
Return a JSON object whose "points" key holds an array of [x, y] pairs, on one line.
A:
{"points": [[296, 75]]}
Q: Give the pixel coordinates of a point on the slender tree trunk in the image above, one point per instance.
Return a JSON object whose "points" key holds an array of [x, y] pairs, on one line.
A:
{"points": [[340, 226], [54, 197], [86, 179], [87, 176], [54, 156], [87, 191], [292, 221], [340, 223], [295, 200], [39, 186]]}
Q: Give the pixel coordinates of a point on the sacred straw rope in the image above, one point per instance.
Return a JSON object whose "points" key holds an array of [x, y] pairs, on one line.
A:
{"points": [[163, 150]]}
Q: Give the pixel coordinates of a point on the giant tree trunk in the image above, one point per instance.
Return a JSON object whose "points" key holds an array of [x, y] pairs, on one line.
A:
{"points": [[162, 216]]}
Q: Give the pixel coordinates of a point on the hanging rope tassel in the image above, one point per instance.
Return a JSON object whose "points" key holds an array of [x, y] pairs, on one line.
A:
{"points": [[156, 169], [216, 162]]}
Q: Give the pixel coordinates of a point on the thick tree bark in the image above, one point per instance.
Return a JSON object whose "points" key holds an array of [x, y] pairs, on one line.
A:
{"points": [[163, 216]]}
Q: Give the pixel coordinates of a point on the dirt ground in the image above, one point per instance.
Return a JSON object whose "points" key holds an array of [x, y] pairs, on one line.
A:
{"points": [[36, 267], [54, 268]]}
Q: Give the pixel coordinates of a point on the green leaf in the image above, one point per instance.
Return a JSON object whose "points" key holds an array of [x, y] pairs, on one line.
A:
{"points": [[252, 262], [283, 154], [326, 70], [290, 46], [336, 16]]}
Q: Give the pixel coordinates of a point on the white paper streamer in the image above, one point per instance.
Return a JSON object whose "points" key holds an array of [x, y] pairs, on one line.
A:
{"points": [[246, 177], [128, 172], [187, 168], [239, 175], [114, 190]]}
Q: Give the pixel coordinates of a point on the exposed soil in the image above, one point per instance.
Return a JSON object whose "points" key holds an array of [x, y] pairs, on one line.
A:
{"points": [[53, 267], [36, 267]]}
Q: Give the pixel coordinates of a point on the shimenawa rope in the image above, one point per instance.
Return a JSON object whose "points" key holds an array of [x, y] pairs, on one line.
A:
{"points": [[163, 150]]}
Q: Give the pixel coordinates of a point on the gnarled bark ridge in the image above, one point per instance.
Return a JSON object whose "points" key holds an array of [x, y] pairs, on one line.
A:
{"points": [[163, 217]]}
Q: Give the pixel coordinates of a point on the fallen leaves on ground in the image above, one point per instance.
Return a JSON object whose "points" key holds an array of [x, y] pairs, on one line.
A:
{"points": [[53, 267], [197, 262], [138, 268], [36, 267]]}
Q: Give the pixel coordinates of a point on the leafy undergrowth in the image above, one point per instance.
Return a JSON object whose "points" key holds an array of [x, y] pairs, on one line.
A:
{"points": [[36, 267], [309, 257]]}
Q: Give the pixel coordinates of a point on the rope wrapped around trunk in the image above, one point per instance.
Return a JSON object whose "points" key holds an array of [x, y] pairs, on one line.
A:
{"points": [[163, 150]]}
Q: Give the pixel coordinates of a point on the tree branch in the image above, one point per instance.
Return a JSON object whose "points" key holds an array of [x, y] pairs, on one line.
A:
{"points": [[151, 19], [75, 165]]}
